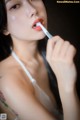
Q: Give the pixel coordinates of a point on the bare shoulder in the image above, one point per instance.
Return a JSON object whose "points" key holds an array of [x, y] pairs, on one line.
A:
{"points": [[12, 76], [7, 65], [12, 82], [7, 71], [18, 93]]}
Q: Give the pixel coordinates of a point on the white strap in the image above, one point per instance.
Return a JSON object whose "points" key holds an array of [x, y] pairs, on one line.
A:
{"points": [[23, 66]]}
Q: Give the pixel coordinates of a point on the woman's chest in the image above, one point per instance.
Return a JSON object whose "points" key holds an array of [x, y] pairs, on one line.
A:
{"points": [[40, 75], [42, 79]]}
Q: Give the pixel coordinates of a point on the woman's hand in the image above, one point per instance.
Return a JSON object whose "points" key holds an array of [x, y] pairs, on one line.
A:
{"points": [[60, 56]]}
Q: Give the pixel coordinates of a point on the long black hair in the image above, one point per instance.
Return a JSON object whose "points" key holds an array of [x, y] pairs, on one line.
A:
{"points": [[6, 43]]}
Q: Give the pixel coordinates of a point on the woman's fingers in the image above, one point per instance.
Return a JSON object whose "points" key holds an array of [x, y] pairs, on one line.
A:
{"points": [[54, 46], [64, 49], [58, 49], [70, 53]]}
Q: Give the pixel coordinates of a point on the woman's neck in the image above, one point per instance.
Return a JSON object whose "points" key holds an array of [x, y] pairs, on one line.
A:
{"points": [[26, 50], [28, 53]]}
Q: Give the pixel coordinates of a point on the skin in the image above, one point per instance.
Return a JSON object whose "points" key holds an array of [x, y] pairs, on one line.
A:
{"points": [[13, 78], [13, 18]]}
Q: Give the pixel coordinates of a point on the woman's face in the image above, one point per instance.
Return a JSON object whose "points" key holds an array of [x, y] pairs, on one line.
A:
{"points": [[21, 15]]}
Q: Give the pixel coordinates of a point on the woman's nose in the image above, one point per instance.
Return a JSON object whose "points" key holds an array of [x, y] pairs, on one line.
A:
{"points": [[30, 10]]}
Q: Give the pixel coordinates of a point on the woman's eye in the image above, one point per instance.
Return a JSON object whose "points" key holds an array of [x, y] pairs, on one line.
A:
{"points": [[16, 6]]}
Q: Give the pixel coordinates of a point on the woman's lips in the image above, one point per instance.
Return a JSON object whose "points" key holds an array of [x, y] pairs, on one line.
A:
{"points": [[38, 28]]}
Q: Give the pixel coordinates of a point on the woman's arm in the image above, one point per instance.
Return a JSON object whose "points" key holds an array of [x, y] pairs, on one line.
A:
{"points": [[60, 56]]}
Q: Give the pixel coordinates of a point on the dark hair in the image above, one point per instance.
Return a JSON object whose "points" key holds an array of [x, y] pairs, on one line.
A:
{"points": [[6, 42]]}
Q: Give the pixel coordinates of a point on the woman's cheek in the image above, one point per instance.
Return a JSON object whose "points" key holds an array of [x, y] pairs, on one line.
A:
{"points": [[13, 18]]}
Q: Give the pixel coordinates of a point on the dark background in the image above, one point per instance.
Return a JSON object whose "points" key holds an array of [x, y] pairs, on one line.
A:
{"points": [[64, 20]]}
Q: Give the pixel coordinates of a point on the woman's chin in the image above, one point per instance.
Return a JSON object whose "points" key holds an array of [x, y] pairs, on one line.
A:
{"points": [[38, 36], [42, 36]]}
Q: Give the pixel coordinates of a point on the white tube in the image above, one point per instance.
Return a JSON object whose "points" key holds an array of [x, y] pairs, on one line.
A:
{"points": [[44, 30]]}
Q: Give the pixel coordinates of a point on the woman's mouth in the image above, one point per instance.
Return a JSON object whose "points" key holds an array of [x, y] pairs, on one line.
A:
{"points": [[35, 27]]}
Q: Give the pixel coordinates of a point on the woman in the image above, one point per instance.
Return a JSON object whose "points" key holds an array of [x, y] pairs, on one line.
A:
{"points": [[24, 81]]}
